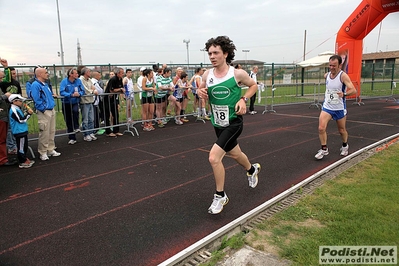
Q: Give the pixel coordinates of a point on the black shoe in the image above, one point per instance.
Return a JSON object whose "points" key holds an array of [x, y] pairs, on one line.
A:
{"points": [[9, 163]]}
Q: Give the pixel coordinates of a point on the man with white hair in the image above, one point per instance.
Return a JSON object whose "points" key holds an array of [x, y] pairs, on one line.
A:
{"points": [[86, 103]]}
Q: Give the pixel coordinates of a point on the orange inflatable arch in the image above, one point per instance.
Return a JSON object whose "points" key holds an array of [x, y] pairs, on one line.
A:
{"points": [[349, 42]]}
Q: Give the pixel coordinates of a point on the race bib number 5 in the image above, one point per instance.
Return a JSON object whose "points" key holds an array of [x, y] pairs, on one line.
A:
{"points": [[221, 115]]}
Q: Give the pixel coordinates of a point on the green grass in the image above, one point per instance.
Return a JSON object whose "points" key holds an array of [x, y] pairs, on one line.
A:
{"points": [[235, 242], [360, 207]]}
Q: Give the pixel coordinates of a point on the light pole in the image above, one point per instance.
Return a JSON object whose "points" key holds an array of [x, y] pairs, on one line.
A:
{"points": [[188, 57], [62, 50], [246, 51], [203, 50]]}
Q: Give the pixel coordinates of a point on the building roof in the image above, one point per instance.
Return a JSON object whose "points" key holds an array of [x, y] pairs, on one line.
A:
{"points": [[381, 55], [249, 62]]}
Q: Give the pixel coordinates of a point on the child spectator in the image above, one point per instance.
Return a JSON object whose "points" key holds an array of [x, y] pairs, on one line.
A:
{"points": [[19, 128]]}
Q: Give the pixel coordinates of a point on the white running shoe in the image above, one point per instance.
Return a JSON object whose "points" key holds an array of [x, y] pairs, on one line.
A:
{"points": [[93, 137], [72, 141], [321, 153], [218, 203], [44, 157], [253, 179], [344, 150], [53, 153], [178, 122], [87, 138]]}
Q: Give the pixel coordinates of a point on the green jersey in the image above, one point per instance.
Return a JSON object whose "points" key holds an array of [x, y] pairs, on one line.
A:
{"points": [[146, 94], [223, 93], [162, 81]]}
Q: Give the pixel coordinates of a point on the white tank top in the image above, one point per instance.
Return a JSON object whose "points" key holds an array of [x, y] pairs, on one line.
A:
{"points": [[130, 87], [332, 101]]}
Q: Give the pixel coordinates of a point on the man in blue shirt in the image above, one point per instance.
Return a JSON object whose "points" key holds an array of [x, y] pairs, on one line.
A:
{"points": [[44, 104], [71, 88]]}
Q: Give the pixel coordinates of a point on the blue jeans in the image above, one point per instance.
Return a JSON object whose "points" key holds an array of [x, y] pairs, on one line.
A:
{"points": [[87, 118]]}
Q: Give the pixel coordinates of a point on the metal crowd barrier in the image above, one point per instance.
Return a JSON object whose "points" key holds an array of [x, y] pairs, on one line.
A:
{"points": [[121, 109]]}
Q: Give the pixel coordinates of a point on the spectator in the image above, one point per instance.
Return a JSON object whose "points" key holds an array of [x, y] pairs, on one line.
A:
{"points": [[98, 102], [164, 85], [253, 74], [19, 128], [71, 89], [86, 103], [147, 99], [29, 83], [114, 85], [140, 81], [44, 104], [12, 86], [4, 161], [129, 94], [184, 87]]}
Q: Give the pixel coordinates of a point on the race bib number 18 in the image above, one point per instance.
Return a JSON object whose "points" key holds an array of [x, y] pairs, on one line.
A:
{"points": [[221, 115]]}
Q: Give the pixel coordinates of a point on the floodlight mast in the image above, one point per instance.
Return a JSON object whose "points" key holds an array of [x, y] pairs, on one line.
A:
{"points": [[188, 57]]}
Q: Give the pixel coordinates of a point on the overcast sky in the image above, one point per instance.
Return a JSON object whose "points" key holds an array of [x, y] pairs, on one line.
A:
{"points": [[139, 32]]}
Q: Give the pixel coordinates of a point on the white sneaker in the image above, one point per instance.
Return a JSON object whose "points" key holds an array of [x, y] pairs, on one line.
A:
{"points": [[321, 153], [178, 122], [72, 141], [253, 179], [53, 153], [93, 137], [344, 150], [44, 157], [218, 203], [87, 138]]}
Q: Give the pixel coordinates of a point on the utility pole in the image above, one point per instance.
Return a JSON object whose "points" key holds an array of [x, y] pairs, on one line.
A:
{"points": [[61, 54]]}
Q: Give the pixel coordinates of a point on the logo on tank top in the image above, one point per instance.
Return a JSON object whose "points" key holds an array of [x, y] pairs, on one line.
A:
{"points": [[221, 92]]}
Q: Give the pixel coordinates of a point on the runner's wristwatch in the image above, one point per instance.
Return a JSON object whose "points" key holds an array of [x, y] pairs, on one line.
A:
{"points": [[245, 99]]}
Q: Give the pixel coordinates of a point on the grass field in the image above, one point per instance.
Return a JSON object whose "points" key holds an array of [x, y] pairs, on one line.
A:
{"points": [[360, 207]]}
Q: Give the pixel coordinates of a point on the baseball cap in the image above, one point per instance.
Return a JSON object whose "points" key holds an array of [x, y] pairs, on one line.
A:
{"points": [[143, 68], [14, 97]]}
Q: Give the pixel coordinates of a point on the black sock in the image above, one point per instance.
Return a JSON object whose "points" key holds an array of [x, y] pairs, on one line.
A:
{"points": [[344, 144], [251, 170], [324, 147], [220, 193]]}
